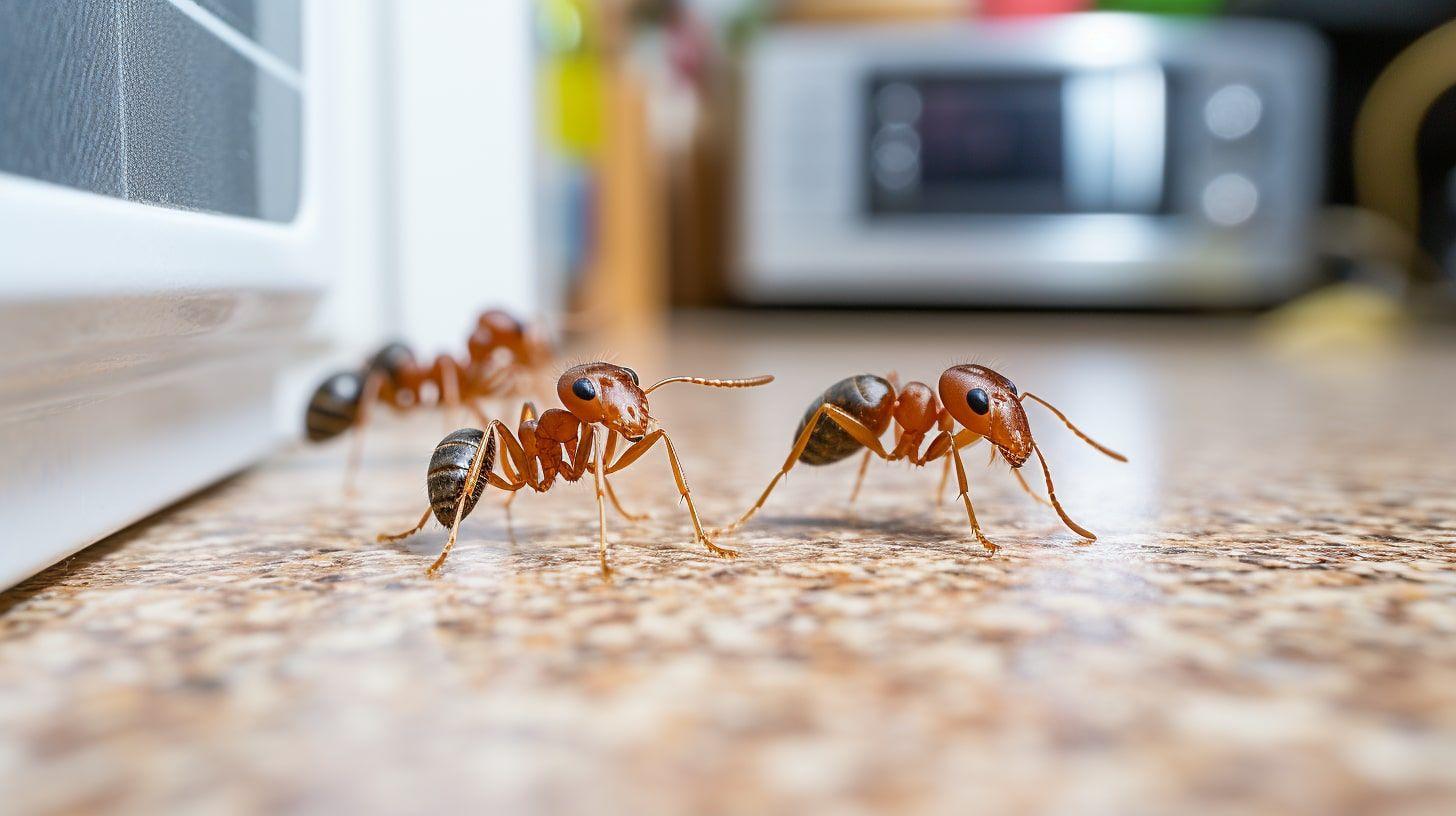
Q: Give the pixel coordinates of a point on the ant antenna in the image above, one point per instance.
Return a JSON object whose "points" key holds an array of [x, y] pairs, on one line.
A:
{"points": [[748, 382], [1056, 505], [1103, 449]]}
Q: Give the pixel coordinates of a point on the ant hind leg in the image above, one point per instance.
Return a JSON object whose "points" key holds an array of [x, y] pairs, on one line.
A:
{"points": [[386, 537], [864, 465]]}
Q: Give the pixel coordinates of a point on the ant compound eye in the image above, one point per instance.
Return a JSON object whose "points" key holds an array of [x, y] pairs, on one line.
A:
{"points": [[1012, 386], [979, 402], [584, 390], [633, 375]]}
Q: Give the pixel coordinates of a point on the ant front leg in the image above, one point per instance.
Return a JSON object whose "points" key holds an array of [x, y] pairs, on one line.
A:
{"points": [[611, 492], [450, 390], [965, 496], [372, 387], [939, 447], [597, 467], [635, 452], [1021, 480]]}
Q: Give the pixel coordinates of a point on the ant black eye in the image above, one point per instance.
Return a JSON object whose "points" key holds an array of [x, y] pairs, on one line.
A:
{"points": [[1012, 386], [633, 375], [979, 402], [584, 390]]}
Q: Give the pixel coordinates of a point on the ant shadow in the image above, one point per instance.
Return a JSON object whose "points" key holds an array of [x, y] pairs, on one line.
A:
{"points": [[893, 525]]}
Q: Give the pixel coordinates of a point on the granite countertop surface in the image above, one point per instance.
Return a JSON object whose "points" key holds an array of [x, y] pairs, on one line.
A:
{"points": [[1267, 623]]}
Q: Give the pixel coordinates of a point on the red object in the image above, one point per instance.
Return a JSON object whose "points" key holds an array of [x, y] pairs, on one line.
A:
{"points": [[1024, 8]]}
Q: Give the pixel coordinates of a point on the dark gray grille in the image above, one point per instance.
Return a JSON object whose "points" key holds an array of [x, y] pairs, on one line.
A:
{"points": [[136, 99]]}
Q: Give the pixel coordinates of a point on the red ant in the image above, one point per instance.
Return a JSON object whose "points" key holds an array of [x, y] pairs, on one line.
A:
{"points": [[561, 443], [501, 350], [855, 412]]}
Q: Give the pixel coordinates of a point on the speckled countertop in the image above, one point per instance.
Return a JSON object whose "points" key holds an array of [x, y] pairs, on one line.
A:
{"points": [[1268, 623]]}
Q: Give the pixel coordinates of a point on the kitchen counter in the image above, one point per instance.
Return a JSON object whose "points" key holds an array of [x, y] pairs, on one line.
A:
{"points": [[1266, 624]]}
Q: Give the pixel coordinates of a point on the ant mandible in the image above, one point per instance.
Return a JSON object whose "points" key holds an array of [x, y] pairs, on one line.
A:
{"points": [[500, 351], [561, 442], [855, 412]]}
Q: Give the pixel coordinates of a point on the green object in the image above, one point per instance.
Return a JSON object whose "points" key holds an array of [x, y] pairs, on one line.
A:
{"points": [[1187, 7]]}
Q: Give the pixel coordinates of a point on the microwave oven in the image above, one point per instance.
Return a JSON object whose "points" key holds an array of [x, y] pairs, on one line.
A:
{"points": [[1080, 160]]}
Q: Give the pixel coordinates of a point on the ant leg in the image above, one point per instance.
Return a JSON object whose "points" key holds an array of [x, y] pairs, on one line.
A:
{"points": [[965, 495], [490, 383], [473, 405], [597, 467], [450, 392], [384, 537], [622, 511], [1021, 480], [581, 458], [940, 488], [515, 462], [372, 387], [864, 465], [487, 448], [940, 447], [514, 486], [611, 492], [1056, 505], [635, 452], [838, 416]]}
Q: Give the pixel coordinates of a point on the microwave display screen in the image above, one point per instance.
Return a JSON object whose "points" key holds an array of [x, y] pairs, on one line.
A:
{"points": [[984, 144]]}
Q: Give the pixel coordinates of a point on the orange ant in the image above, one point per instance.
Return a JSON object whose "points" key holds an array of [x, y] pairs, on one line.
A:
{"points": [[855, 412], [561, 443], [501, 350]]}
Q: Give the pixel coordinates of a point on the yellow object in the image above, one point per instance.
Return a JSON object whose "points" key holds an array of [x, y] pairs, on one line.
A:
{"points": [[1342, 317], [1389, 123], [572, 76]]}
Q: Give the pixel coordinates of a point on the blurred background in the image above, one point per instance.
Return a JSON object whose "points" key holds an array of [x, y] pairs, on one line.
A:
{"points": [[1219, 234], [207, 203], [1049, 154]]}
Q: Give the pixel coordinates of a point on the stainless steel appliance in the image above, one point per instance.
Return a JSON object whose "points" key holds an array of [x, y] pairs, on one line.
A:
{"points": [[1097, 159]]}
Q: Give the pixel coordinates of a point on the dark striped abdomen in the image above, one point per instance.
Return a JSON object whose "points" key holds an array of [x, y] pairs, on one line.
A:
{"points": [[334, 406], [865, 397], [449, 465]]}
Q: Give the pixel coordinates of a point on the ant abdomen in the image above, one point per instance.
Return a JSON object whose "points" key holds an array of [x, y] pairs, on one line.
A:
{"points": [[334, 406], [867, 398], [449, 469]]}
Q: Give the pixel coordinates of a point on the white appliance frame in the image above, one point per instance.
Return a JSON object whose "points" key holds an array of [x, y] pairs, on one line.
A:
{"points": [[143, 344]]}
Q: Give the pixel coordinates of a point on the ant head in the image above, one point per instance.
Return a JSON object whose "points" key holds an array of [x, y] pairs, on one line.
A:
{"points": [[527, 344], [606, 393], [986, 403], [501, 324], [916, 407]]}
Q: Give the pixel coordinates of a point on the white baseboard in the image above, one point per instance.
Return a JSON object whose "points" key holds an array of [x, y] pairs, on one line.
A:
{"points": [[76, 474]]}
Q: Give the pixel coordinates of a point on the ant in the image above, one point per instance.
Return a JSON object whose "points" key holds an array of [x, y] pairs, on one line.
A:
{"points": [[855, 412], [561, 442], [500, 351]]}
